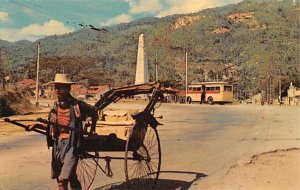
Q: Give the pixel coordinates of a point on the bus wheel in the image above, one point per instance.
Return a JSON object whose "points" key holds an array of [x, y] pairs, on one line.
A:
{"points": [[210, 100], [189, 100]]}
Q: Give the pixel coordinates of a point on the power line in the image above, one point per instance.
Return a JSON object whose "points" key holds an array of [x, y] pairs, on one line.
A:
{"points": [[21, 4], [47, 10], [44, 11], [51, 14], [67, 20]]}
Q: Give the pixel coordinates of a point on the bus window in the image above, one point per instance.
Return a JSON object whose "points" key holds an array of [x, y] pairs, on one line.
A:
{"points": [[190, 88], [198, 89], [208, 88], [227, 88], [215, 88]]}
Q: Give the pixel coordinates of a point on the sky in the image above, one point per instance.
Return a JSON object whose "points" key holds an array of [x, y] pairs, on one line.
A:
{"points": [[35, 19]]}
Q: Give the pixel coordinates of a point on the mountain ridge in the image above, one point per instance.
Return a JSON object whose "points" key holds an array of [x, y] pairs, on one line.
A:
{"points": [[259, 40]]}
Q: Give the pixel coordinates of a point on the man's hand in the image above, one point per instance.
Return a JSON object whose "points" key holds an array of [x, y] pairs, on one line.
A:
{"points": [[37, 125]]}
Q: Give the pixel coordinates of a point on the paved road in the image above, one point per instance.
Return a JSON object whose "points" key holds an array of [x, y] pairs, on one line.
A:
{"points": [[199, 145]]}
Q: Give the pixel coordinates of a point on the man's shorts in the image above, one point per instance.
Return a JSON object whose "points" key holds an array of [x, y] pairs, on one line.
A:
{"points": [[64, 160]]}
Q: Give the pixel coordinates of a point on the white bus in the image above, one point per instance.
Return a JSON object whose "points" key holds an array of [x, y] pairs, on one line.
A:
{"points": [[210, 92]]}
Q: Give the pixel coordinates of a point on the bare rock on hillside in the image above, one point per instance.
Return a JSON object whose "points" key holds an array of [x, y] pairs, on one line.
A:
{"points": [[221, 30], [184, 21], [246, 18]]}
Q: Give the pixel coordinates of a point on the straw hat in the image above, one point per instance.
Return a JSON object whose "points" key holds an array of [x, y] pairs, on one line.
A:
{"points": [[62, 79]]}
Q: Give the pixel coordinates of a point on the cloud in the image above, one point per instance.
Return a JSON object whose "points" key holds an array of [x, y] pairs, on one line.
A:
{"points": [[3, 17], [122, 18], [190, 6], [34, 32], [142, 6], [13, 35], [48, 28]]}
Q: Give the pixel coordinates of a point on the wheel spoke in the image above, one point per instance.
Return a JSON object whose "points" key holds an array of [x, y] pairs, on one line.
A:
{"points": [[143, 169], [86, 169]]}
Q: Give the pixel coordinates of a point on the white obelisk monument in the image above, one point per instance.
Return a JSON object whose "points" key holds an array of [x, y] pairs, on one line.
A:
{"points": [[141, 75]]}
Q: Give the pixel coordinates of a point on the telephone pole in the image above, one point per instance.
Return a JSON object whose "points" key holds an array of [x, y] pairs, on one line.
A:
{"points": [[37, 76], [156, 71], [186, 78], [279, 87]]}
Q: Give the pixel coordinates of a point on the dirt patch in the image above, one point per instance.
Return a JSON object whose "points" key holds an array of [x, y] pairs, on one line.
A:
{"points": [[274, 170], [14, 102], [255, 158]]}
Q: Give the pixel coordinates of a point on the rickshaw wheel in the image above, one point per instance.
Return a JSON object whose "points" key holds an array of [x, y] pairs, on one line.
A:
{"points": [[86, 168], [142, 158]]}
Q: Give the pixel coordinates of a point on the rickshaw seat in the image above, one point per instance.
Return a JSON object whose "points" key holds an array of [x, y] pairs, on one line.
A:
{"points": [[115, 117], [117, 122]]}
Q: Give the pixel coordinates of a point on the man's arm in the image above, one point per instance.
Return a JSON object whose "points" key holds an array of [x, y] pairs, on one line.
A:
{"points": [[37, 125], [88, 110]]}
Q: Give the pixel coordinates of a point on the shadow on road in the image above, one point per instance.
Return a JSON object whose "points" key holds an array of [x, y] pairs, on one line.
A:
{"points": [[162, 184]]}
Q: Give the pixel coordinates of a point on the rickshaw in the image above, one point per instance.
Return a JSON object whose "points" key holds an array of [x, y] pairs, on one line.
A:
{"points": [[131, 131]]}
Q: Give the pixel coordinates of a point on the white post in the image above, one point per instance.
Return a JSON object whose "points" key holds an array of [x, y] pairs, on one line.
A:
{"points": [[37, 76], [186, 78]]}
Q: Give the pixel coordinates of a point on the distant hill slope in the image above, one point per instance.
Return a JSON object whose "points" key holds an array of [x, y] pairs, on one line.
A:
{"points": [[253, 44]]}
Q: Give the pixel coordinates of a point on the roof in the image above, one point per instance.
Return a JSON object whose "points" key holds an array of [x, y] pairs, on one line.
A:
{"points": [[27, 82], [205, 83], [78, 89], [96, 89], [171, 90], [181, 93], [77, 86]]}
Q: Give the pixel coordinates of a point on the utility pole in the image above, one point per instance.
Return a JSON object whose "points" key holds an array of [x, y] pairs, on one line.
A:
{"points": [[279, 87], [267, 94], [270, 88], [186, 79], [37, 76], [156, 71]]}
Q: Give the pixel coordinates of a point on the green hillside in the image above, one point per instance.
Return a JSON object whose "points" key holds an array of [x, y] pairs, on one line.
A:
{"points": [[253, 44]]}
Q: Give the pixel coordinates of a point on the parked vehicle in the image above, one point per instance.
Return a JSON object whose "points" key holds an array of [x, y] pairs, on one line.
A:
{"points": [[249, 101], [210, 92]]}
